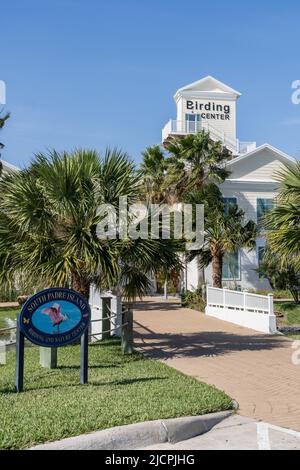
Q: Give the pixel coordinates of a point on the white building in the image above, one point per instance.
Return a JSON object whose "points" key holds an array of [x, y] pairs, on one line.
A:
{"points": [[8, 167], [211, 105]]}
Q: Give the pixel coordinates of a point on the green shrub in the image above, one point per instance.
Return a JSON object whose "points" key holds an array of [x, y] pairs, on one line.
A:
{"points": [[193, 299], [8, 295], [278, 294]]}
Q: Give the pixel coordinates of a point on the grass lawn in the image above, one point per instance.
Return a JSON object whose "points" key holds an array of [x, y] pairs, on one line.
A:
{"points": [[294, 336], [291, 312], [121, 390], [8, 313]]}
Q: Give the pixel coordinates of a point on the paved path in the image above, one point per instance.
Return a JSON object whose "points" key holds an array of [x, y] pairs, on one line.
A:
{"points": [[238, 433], [9, 304], [253, 368]]}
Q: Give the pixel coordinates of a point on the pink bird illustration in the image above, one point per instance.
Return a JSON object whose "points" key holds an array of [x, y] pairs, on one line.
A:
{"points": [[55, 314]]}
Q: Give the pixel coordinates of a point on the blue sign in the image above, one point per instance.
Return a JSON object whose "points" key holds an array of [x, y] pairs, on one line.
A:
{"points": [[55, 317]]}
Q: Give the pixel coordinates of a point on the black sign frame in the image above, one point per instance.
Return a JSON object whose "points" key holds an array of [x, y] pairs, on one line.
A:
{"points": [[27, 329]]}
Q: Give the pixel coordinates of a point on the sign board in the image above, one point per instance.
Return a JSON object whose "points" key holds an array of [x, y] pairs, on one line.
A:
{"points": [[54, 317], [210, 109]]}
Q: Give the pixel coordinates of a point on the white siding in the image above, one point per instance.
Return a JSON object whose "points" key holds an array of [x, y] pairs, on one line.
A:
{"points": [[258, 167], [192, 276], [228, 127], [247, 194]]}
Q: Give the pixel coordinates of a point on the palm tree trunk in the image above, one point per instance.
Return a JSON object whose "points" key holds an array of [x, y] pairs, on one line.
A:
{"points": [[217, 264], [201, 274], [81, 285]]}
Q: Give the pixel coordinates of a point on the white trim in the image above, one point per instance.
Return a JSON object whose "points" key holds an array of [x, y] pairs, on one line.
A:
{"points": [[9, 166], [224, 88], [205, 94], [250, 181], [259, 149]]}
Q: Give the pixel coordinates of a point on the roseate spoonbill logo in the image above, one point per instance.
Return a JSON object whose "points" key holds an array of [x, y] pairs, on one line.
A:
{"points": [[55, 314]]}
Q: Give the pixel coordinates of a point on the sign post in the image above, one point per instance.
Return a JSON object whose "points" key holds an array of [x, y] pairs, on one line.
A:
{"points": [[84, 357], [53, 318], [19, 359], [48, 358]]}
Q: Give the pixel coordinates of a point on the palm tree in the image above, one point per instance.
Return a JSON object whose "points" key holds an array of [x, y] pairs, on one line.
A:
{"points": [[226, 231], [280, 273], [48, 225], [153, 170], [195, 161], [283, 222], [3, 120]]}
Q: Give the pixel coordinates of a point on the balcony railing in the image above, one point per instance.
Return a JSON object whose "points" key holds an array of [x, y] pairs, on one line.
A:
{"points": [[173, 128]]}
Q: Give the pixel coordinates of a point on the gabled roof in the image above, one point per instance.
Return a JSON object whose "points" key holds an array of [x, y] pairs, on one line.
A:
{"points": [[208, 84], [8, 166], [281, 155]]}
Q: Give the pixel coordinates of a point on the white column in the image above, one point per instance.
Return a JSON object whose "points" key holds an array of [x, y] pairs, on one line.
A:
{"points": [[116, 320], [166, 289], [271, 304]]}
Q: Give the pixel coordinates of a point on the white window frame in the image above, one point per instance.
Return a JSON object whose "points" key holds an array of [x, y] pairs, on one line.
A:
{"points": [[239, 278], [257, 252], [266, 199]]}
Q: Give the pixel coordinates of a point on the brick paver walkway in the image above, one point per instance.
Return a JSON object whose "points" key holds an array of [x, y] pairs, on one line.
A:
{"points": [[253, 368]]}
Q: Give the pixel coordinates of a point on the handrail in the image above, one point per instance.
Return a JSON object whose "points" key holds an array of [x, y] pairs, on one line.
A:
{"points": [[264, 302], [174, 126], [191, 127], [8, 329]]}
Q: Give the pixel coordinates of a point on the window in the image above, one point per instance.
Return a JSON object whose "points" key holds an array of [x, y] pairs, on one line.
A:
{"points": [[263, 207], [193, 123], [260, 254], [231, 267], [229, 202]]}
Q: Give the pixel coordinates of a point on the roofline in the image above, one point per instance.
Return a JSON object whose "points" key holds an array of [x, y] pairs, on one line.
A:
{"points": [[259, 149], [9, 166], [223, 85], [229, 180]]}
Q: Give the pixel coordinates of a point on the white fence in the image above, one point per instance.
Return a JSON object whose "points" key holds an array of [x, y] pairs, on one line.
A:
{"points": [[97, 315], [242, 308]]}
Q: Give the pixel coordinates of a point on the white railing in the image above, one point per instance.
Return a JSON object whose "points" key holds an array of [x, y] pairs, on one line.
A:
{"points": [[96, 304], [242, 308], [245, 147], [174, 127]]}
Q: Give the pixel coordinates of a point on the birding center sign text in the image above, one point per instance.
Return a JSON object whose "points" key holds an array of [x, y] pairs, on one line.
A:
{"points": [[53, 318]]}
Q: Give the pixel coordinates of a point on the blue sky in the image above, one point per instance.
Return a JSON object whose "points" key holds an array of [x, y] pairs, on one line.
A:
{"points": [[94, 73]]}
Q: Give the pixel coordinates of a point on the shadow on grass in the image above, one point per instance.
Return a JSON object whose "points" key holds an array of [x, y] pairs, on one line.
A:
{"points": [[286, 306], [129, 381], [9, 391], [77, 367]]}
